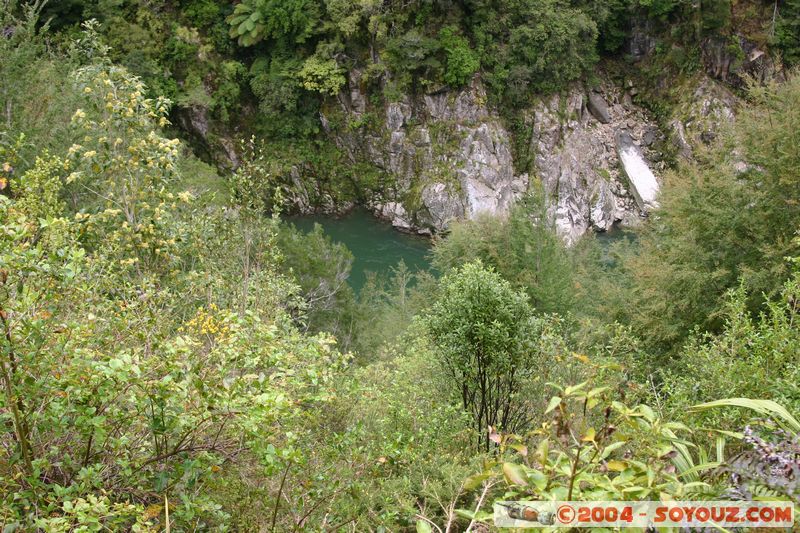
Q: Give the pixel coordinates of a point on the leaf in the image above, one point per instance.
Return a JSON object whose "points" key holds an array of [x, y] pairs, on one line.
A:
{"points": [[720, 449], [574, 388], [616, 466], [424, 527], [521, 448], [589, 437], [647, 413], [764, 407], [475, 481], [515, 474], [608, 450], [596, 391], [555, 401], [542, 450], [536, 477]]}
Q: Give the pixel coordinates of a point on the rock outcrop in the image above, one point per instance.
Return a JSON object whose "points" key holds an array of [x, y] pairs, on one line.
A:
{"points": [[578, 160], [214, 144], [735, 59], [448, 156], [699, 118], [641, 180]]}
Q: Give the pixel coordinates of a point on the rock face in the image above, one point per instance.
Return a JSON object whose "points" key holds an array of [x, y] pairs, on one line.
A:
{"points": [[699, 118], [447, 156], [733, 64], [194, 121], [579, 163]]}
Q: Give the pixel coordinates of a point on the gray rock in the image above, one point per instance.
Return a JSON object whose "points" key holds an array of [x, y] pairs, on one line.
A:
{"points": [[649, 136], [599, 108], [442, 206], [642, 41], [396, 214], [734, 66], [447, 156], [699, 118], [579, 167]]}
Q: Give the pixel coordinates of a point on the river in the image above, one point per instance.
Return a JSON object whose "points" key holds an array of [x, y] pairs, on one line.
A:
{"points": [[375, 245]]}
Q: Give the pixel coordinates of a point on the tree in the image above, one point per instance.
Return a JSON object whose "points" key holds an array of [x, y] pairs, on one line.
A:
{"points": [[558, 48], [731, 216], [321, 268], [479, 327], [787, 31], [255, 20], [523, 248], [128, 373], [462, 62]]}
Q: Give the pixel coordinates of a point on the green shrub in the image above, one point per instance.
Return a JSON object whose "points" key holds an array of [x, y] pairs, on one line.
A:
{"points": [[523, 248], [461, 61]]}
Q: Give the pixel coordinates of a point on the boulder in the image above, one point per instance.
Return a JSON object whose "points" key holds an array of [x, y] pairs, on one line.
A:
{"points": [[598, 107], [642, 182]]}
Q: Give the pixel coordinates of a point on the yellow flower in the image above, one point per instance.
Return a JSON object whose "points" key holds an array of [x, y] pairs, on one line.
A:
{"points": [[87, 90]]}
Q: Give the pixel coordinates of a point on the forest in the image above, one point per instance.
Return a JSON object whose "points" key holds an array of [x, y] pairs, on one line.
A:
{"points": [[176, 354]]}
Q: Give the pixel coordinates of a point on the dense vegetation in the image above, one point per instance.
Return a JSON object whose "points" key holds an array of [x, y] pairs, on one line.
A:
{"points": [[271, 66], [174, 356]]}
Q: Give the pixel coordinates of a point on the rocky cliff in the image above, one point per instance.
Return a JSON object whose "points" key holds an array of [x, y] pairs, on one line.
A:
{"points": [[448, 156]]}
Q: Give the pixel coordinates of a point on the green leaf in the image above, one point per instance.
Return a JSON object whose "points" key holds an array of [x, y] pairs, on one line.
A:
{"points": [[520, 448], [595, 392], [475, 481], [616, 466], [539, 479], [768, 408], [574, 388], [647, 413], [515, 474], [608, 450], [555, 401]]}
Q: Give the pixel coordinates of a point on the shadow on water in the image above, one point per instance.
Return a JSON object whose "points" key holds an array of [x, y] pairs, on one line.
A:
{"points": [[375, 245]]}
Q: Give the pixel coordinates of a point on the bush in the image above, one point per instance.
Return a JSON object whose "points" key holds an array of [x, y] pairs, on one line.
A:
{"points": [[462, 62], [756, 356], [481, 329], [523, 248], [731, 216]]}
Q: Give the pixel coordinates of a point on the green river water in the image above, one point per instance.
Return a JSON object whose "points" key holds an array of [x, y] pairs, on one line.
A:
{"points": [[375, 245]]}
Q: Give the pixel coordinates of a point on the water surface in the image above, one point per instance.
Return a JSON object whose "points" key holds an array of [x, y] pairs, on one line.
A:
{"points": [[376, 245]]}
